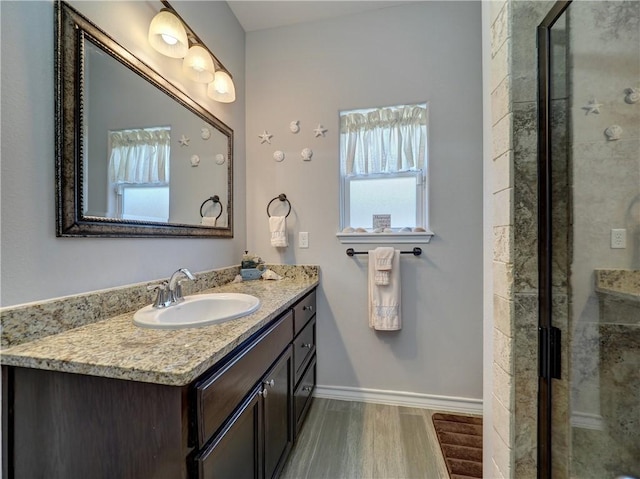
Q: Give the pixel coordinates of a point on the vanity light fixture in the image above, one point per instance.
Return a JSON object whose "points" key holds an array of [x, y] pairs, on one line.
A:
{"points": [[167, 34], [198, 65], [170, 35], [222, 88]]}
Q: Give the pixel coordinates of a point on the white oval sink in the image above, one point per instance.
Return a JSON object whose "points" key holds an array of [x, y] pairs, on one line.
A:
{"points": [[198, 310]]}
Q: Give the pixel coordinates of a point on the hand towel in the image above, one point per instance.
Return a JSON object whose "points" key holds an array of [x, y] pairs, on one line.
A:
{"points": [[208, 221], [278, 229], [384, 301], [383, 260]]}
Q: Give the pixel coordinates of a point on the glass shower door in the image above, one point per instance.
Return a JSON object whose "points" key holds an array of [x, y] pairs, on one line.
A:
{"points": [[593, 254]]}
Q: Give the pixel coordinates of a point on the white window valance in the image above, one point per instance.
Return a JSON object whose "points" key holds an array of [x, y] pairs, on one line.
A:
{"points": [[383, 140], [140, 156]]}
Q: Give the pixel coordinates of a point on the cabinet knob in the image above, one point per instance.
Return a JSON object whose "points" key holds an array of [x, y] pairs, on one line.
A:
{"points": [[264, 393], [307, 345], [307, 388], [307, 308], [269, 383]]}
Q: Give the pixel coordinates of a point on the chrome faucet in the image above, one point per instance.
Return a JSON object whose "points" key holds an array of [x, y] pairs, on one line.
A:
{"points": [[170, 293], [175, 288]]}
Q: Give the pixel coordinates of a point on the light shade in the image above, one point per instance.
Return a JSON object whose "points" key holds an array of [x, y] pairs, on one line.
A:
{"points": [[198, 65], [222, 88], [167, 35]]}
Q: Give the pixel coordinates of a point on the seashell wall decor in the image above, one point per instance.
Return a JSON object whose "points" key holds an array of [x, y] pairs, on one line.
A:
{"points": [[265, 136], [633, 95], [614, 132], [306, 154], [278, 155]]}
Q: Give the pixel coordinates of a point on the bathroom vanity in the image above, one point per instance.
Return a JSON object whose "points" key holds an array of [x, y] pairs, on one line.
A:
{"points": [[222, 401]]}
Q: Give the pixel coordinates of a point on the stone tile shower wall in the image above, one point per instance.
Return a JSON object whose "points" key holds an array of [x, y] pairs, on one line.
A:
{"points": [[514, 118], [604, 38]]}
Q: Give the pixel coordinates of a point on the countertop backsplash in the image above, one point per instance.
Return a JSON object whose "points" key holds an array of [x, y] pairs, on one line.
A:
{"points": [[31, 321]]}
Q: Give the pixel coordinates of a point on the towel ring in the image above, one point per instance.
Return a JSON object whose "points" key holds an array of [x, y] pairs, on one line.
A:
{"points": [[215, 199], [281, 197]]}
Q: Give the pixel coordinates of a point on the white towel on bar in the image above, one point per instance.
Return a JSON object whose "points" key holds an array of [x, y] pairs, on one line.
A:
{"points": [[278, 229], [208, 221], [384, 300], [383, 260]]}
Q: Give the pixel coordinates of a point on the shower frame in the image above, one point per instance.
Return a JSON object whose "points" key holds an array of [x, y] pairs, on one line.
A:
{"points": [[549, 340]]}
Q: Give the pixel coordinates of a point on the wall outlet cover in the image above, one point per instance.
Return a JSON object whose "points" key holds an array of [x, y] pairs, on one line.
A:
{"points": [[618, 238]]}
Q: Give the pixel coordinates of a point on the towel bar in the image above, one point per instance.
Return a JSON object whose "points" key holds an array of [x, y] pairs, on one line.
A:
{"points": [[415, 252], [281, 197], [215, 199]]}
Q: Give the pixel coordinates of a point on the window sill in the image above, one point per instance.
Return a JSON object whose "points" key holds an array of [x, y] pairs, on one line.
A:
{"points": [[385, 238]]}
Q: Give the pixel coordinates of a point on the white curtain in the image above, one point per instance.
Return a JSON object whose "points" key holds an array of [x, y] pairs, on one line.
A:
{"points": [[385, 140], [140, 156]]}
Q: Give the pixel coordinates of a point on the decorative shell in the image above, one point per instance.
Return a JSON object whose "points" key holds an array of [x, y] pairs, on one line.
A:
{"points": [[220, 159], [195, 160], [306, 154], [294, 126], [278, 155], [205, 133], [633, 95], [614, 132]]}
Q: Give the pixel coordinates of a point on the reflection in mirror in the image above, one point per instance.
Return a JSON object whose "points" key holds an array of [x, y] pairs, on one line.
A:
{"points": [[136, 156]]}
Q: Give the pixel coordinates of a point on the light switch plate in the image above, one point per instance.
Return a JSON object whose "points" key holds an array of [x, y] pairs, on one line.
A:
{"points": [[303, 239]]}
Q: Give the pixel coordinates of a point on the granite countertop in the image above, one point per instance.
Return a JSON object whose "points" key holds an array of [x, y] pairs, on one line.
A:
{"points": [[116, 348], [619, 283]]}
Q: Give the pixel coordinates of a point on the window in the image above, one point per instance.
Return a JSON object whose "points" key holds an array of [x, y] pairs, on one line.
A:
{"points": [[383, 170]]}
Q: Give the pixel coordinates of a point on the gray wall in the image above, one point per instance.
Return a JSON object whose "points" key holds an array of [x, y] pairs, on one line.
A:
{"points": [[422, 51], [35, 264]]}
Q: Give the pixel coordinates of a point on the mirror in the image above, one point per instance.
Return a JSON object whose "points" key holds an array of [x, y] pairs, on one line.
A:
{"points": [[135, 156]]}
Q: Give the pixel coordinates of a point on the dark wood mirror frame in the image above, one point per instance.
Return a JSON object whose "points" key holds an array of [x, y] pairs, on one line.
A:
{"points": [[72, 30]]}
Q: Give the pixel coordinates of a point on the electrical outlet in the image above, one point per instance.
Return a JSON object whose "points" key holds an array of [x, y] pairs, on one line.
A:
{"points": [[618, 238], [303, 239]]}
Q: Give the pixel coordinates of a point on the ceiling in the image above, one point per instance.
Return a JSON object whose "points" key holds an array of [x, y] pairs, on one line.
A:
{"points": [[260, 15]]}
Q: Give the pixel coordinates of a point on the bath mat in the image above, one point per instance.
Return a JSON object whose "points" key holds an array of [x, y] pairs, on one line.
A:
{"points": [[460, 439]]}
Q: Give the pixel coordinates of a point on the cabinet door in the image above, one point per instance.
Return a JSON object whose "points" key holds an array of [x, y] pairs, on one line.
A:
{"points": [[236, 453], [278, 414]]}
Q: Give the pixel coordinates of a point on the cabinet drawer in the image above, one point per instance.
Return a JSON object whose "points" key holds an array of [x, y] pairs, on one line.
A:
{"points": [[303, 394], [304, 346], [237, 451], [217, 396], [304, 311]]}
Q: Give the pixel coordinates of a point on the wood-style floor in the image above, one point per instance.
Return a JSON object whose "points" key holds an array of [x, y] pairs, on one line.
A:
{"points": [[354, 440]]}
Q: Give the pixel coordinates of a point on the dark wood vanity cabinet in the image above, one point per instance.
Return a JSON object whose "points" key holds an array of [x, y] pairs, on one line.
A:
{"points": [[258, 434], [304, 357], [238, 420]]}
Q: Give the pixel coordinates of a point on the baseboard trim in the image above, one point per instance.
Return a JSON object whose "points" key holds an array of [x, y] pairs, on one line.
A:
{"points": [[401, 398]]}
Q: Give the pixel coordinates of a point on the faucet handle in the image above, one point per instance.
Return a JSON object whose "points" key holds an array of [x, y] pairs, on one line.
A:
{"points": [[162, 299]]}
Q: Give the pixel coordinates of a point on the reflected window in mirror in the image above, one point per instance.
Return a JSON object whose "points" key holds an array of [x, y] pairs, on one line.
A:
{"points": [[383, 168], [139, 174]]}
